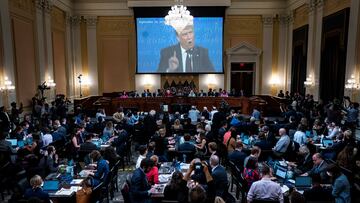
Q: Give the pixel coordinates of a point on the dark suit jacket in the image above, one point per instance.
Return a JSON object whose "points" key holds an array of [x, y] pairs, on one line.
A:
{"points": [[139, 187], [238, 157], [37, 193], [186, 146], [201, 60], [220, 179]]}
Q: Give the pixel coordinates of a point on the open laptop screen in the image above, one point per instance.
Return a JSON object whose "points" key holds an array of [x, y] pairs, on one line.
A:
{"points": [[303, 181], [13, 142], [51, 185], [281, 172]]}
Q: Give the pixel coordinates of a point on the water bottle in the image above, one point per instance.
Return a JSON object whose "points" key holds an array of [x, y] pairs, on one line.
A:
{"points": [[184, 158]]}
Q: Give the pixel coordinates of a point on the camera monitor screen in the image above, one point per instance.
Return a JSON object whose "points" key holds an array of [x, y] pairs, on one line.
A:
{"points": [[193, 48]]}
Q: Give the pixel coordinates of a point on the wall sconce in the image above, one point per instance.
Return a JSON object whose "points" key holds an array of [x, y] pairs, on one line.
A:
{"points": [[7, 85], [50, 82], [211, 81], [351, 83], [274, 80], [309, 81]]}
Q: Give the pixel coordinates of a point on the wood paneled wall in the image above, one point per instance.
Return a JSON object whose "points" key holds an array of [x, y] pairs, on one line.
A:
{"points": [[116, 53], [58, 48], [22, 14]]}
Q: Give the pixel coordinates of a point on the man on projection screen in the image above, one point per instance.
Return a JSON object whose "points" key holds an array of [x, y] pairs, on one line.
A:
{"points": [[185, 57]]}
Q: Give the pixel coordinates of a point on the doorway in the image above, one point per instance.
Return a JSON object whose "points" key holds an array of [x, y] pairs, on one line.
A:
{"points": [[242, 78]]}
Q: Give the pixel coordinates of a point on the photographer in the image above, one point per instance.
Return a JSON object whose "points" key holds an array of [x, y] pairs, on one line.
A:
{"points": [[197, 193]]}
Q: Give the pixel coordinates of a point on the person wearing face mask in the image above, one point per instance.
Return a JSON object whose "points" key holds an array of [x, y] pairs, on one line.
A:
{"points": [[185, 57], [341, 185]]}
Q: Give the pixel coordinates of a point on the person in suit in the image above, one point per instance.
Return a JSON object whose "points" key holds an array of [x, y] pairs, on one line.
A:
{"points": [[237, 156], [320, 167], [219, 175], [187, 146], [5, 122], [139, 187], [185, 57], [36, 191]]}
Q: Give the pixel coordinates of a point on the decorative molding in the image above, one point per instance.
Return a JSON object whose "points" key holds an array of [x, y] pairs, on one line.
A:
{"points": [[48, 6], [58, 18], [74, 20], [268, 20], [243, 25], [115, 26], [90, 20], [22, 7]]}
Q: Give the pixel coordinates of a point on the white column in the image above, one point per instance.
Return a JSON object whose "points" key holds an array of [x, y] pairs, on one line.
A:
{"points": [[76, 47], [92, 53], [288, 54], [351, 45], [317, 48], [69, 58], [8, 49], [40, 40], [49, 47], [310, 69], [267, 54], [282, 51], [48, 38]]}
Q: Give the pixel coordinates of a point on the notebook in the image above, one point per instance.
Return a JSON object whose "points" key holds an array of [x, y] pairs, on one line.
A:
{"points": [[303, 182], [51, 185], [327, 143], [13, 142]]}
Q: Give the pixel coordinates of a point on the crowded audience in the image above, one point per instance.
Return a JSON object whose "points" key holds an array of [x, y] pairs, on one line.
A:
{"points": [[309, 139]]}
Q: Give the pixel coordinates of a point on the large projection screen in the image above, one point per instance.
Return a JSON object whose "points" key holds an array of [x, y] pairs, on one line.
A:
{"points": [[163, 49]]}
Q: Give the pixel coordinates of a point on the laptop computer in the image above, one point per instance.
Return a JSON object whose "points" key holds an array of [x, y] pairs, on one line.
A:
{"points": [[246, 140], [303, 182], [13, 142], [328, 143], [51, 185], [281, 172], [97, 142]]}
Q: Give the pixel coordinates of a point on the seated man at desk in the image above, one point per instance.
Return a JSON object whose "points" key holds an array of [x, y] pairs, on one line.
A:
{"points": [[187, 146], [317, 192], [320, 166]]}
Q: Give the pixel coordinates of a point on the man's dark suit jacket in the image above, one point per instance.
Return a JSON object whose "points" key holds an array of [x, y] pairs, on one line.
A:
{"points": [[201, 60], [238, 157], [186, 146], [139, 187], [220, 179]]}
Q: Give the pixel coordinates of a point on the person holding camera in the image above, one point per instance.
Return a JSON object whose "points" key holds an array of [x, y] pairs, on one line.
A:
{"points": [[197, 192]]}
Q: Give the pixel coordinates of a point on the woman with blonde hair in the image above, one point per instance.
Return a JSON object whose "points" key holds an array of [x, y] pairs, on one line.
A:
{"points": [[36, 191]]}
